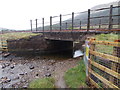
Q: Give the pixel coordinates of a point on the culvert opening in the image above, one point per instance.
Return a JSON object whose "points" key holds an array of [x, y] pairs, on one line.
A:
{"points": [[43, 48]]}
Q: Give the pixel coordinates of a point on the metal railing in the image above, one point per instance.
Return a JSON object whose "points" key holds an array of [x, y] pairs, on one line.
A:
{"points": [[99, 20]]}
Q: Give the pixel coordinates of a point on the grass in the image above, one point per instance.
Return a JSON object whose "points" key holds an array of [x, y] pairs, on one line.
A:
{"points": [[106, 37], [42, 83], [76, 77], [17, 35]]}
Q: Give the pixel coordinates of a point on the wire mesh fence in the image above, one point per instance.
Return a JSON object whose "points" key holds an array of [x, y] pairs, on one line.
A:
{"points": [[104, 66]]}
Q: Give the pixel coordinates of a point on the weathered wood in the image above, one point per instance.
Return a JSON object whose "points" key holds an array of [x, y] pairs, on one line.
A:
{"points": [[4, 44], [106, 56], [106, 43], [111, 72], [94, 83], [111, 85]]}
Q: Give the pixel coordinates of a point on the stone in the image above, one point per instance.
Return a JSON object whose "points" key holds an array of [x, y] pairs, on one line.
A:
{"points": [[8, 80], [23, 80], [21, 73], [25, 72], [3, 66], [6, 54], [7, 64], [25, 87], [48, 75], [10, 60], [5, 80], [37, 74], [31, 67], [15, 78], [12, 66], [47, 68]]}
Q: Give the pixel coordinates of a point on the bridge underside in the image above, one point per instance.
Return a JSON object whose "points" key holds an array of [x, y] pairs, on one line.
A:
{"points": [[67, 36]]}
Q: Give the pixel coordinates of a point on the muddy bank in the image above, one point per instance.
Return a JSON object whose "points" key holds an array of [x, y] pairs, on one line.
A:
{"points": [[19, 71]]}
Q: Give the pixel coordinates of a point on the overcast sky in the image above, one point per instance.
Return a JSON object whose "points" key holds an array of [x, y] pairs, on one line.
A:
{"points": [[15, 14]]}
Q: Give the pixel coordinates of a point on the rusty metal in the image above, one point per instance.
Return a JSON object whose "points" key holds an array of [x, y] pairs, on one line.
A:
{"points": [[60, 22], [88, 22], [110, 17]]}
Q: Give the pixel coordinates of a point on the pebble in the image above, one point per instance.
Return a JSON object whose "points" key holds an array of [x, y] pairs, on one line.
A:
{"points": [[48, 75], [12, 66], [21, 74], [15, 78], [37, 74], [31, 67], [25, 87], [5, 80], [3, 66], [6, 55], [7, 64]]}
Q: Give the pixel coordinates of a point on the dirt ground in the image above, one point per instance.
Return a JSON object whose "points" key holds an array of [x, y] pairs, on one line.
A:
{"points": [[19, 71]]}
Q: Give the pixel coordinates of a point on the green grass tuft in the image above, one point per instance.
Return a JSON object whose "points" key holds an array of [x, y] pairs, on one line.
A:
{"points": [[76, 77], [42, 83]]}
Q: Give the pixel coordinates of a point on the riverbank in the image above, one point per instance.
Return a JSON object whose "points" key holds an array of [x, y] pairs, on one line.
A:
{"points": [[20, 71]]}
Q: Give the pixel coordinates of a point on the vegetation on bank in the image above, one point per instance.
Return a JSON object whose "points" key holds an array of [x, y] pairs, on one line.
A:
{"points": [[106, 37], [76, 77], [42, 83], [18, 35]]}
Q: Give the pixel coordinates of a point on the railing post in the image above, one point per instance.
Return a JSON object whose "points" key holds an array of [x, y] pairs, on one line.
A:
{"points": [[31, 24], [72, 21], [100, 24], [43, 25], [110, 18], [50, 23], [60, 22], [80, 25], [66, 25], [36, 24], [88, 22]]}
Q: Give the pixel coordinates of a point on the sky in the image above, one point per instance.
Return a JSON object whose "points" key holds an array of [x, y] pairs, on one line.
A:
{"points": [[16, 14]]}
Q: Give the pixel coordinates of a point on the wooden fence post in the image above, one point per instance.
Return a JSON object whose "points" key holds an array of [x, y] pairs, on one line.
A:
{"points": [[36, 24], [92, 47], [88, 22], [110, 17], [31, 24], [60, 22]]}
